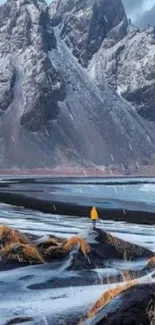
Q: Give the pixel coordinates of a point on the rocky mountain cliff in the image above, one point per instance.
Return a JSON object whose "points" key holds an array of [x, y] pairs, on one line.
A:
{"points": [[85, 24], [129, 67], [120, 52], [54, 107]]}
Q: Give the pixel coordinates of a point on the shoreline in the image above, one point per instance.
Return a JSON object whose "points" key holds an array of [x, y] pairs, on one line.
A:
{"points": [[98, 171], [72, 209]]}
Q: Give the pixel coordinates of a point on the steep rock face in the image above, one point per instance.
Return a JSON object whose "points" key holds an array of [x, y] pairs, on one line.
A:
{"points": [[30, 87], [86, 23], [51, 112], [103, 127], [129, 66], [101, 38], [25, 38]]}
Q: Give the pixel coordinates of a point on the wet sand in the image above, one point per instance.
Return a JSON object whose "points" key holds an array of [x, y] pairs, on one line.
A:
{"points": [[75, 197], [53, 293]]}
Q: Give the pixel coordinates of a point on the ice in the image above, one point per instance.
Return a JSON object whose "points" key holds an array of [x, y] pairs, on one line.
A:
{"points": [[46, 303], [39, 303], [148, 188]]}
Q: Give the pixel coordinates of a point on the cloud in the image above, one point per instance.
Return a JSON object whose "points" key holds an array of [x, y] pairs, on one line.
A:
{"points": [[148, 17], [142, 12], [133, 5]]}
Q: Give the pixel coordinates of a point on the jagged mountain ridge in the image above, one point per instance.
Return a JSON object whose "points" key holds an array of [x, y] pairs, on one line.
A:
{"points": [[52, 113], [129, 67], [85, 24], [122, 54]]}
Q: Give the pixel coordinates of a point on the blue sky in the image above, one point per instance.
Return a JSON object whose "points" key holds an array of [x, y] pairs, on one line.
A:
{"points": [[141, 12]]}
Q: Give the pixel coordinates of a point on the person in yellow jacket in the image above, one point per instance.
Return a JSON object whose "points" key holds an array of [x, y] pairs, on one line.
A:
{"points": [[94, 216]]}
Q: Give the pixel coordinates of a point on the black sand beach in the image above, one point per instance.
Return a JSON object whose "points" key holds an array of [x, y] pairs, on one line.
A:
{"points": [[63, 289]]}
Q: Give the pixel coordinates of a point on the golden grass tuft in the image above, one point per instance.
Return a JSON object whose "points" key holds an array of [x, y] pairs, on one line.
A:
{"points": [[75, 240], [53, 241], [151, 263], [128, 275], [3, 229], [108, 296], [50, 242], [23, 253], [11, 236], [55, 252]]}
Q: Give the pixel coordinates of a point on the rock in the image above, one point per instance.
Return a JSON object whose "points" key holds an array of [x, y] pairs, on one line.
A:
{"points": [[21, 253], [19, 320], [104, 246], [90, 249], [129, 67], [84, 25], [26, 37], [51, 111], [44, 243], [136, 303], [7, 82], [150, 265], [30, 86], [102, 38], [51, 248], [9, 236]]}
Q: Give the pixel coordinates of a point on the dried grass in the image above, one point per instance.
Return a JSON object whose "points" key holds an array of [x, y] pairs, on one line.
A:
{"points": [[127, 275], [23, 253], [151, 263], [50, 242], [3, 229], [73, 241], [108, 296], [11, 236], [150, 310]]}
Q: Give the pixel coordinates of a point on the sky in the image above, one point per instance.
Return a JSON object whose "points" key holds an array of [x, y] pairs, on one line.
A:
{"points": [[142, 12]]}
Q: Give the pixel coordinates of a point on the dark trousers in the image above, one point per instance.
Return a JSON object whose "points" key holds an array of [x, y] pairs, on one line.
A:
{"points": [[94, 224]]}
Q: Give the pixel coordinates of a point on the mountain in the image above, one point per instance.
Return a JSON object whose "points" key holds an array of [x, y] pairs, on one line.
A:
{"points": [[52, 110], [120, 52], [85, 24], [129, 67]]}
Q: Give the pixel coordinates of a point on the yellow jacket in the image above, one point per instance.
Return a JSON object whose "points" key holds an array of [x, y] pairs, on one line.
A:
{"points": [[94, 214]]}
